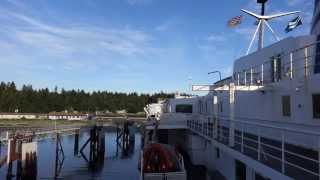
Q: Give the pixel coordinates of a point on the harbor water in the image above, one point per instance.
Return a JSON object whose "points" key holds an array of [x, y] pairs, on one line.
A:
{"points": [[115, 163]]}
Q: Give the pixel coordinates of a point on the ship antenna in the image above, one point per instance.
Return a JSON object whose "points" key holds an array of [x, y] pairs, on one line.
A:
{"points": [[262, 20]]}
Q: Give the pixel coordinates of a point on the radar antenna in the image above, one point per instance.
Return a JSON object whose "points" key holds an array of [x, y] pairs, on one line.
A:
{"points": [[262, 20]]}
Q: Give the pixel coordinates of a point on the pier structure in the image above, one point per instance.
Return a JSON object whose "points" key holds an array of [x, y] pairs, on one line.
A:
{"points": [[96, 143], [22, 150], [59, 156], [125, 136]]}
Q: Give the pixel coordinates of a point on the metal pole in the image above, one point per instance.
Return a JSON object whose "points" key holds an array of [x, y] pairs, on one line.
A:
{"points": [[261, 34], [215, 72], [262, 74], [56, 174], [274, 34], [251, 76], [261, 29], [254, 36], [282, 154], [306, 62], [291, 65]]}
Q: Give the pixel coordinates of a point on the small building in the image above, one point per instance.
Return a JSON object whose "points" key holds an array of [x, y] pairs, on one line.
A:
{"points": [[16, 115], [123, 111], [67, 116]]}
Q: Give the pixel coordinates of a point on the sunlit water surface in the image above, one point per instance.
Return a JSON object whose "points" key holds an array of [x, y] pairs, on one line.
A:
{"points": [[116, 166]]}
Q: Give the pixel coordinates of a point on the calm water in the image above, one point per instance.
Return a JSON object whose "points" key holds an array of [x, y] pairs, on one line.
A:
{"points": [[116, 166]]}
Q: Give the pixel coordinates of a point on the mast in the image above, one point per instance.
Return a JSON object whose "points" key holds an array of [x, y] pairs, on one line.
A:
{"points": [[262, 20], [261, 29]]}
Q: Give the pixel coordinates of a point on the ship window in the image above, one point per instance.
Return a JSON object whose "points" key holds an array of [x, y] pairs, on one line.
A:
{"points": [[206, 106], [217, 153], [317, 60], [221, 106], [183, 108], [276, 68], [240, 170], [260, 177], [286, 106], [316, 106]]}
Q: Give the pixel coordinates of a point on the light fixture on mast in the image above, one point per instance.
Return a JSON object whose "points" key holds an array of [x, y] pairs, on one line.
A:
{"points": [[262, 21]]}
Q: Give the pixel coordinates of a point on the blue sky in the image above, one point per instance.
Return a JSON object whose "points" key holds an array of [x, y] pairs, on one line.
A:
{"points": [[128, 45]]}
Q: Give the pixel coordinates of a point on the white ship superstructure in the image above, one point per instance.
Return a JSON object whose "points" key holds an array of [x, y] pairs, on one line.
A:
{"points": [[263, 122]]}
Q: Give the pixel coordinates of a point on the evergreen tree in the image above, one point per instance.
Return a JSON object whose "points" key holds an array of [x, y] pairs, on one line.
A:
{"points": [[30, 100]]}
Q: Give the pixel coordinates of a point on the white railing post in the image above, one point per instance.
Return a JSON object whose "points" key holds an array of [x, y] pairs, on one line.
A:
{"points": [[291, 65], [319, 157], [306, 62], [238, 79], [242, 138], [262, 74], [232, 117], [259, 144], [215, 112], [282, 153], [251, 76], [245, 78]]}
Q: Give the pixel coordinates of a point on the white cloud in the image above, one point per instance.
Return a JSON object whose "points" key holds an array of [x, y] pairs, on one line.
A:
{"points": [[163, 27], [297, 2], [68, 40], [246, 32], [217, 38], [136, 2], [17, 3], [168, 24]]}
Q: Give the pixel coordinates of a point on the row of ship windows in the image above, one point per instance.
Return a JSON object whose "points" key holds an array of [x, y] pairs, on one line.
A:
{"points": [[202, 107], [286, 106]]}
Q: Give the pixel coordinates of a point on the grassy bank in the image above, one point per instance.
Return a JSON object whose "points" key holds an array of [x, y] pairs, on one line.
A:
{"points": [[40, 123]]}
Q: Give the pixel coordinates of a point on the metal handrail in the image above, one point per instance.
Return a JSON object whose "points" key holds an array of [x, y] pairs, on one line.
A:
{"points": [[283, 55], [256, 73], [273, 121], [222, 137], [275, 127]]}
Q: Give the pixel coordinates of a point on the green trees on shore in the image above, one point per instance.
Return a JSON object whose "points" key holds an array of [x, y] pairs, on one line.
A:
{"points": [[28, 99]]}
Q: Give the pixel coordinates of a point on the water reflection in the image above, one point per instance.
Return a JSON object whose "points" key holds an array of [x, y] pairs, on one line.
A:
{"points": [[106, 160]]}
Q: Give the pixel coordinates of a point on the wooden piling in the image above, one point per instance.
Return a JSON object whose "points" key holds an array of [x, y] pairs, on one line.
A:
{"points": [[76, 143]]}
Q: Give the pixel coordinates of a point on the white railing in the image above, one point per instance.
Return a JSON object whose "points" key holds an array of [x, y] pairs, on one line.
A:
{"points": [[279, 149], [301, 62]]}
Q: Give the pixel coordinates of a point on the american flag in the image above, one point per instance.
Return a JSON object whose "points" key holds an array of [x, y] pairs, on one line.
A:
{"points": [[235, 21]]}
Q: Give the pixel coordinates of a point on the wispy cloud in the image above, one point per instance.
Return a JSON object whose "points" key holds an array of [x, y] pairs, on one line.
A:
{"points": [[17, 3], [163, 27], [64, 40], [138, 2], [168, 24], [246, 32], [217, 38], [297, 2]]}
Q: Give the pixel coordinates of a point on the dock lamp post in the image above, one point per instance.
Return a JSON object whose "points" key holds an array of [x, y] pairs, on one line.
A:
{"points": [[213, 72]]}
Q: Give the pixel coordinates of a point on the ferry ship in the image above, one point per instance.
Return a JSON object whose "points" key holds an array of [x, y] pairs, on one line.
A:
{"points": [[260, 123]]}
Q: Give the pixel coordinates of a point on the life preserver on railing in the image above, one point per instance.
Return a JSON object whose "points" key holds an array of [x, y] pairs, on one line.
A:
{"points": [[159, 158]]}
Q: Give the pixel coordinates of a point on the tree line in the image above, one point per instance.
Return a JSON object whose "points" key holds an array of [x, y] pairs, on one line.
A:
{"points": [[30, 100]]}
